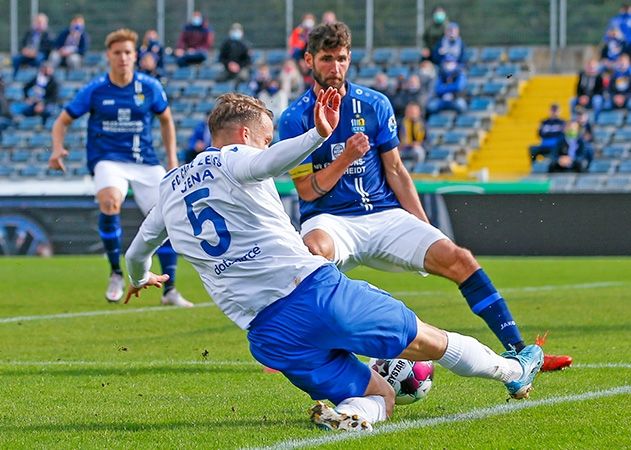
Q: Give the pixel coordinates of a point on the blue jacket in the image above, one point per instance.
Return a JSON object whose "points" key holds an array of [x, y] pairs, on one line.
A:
{"points": [[450, 83], [83, 41]]}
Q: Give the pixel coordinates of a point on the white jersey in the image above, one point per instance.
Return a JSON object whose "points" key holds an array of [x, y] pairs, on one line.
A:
{"points": [[231, 225]]}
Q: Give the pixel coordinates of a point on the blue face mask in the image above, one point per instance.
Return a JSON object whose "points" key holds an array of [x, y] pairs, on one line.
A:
{"points": [[77, 28], [439, 16], [197, 21], [236, 35]]}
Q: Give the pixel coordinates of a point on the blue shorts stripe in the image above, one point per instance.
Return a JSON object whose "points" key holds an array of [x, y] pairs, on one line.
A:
{"points": [[478, 307], [110, 235]]}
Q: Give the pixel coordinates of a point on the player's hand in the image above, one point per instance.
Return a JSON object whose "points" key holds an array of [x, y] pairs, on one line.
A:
{"points": [[356, 146], [154, 280], [56, 160], [327, 111]]}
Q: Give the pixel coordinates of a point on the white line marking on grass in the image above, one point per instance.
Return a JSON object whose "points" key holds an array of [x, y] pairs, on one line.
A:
{"points": [[602, 366], [104, 312], [549, 287], [475, 414]]}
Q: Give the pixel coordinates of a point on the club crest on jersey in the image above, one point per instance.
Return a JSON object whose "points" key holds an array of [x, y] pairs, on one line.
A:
{"points": [[358, 124], [139, 99], [336, 150]]}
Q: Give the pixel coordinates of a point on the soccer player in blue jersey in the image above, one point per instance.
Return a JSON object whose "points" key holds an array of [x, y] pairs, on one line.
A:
{"points": [[358, 204], [122, 104]]}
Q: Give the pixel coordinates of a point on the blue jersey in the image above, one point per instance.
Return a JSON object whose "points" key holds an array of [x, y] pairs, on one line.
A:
{"points": [[363, 188], [119, 127]]}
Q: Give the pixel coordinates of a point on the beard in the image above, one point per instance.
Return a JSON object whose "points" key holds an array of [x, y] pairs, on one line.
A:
{"points": [[318, 78]]}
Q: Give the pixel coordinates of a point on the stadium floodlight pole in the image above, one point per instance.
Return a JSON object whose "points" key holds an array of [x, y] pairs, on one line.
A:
{"points": [[14, 26], [370, 19], [34, 9], [289, 16], [420, 22], [562, 23], [190, 7], [160, 19], [553, 35]]}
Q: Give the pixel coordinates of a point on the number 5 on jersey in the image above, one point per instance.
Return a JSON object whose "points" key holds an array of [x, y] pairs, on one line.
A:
{"points": [[207, 213]]}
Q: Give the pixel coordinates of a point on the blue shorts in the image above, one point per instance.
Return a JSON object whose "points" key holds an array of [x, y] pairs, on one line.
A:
{"points": [[312, 334]]}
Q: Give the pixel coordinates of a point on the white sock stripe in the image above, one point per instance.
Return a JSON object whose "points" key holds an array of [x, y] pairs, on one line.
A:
{"points": [[474, 414]]}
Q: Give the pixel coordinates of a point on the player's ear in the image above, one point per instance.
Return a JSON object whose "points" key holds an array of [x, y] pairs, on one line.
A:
{"points": [[309, 59]]}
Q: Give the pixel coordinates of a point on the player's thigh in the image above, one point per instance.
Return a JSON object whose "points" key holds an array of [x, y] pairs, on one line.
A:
{"points": [[398, 241], [145, 183], [110, 184], [347, 238]]}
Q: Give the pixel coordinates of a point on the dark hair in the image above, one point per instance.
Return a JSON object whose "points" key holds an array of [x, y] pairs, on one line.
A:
{"points": [[236, 109], [328, 36]]}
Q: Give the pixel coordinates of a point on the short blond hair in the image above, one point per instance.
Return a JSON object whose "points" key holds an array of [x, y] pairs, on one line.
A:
{"points": [[121, 35], [236, 109]]}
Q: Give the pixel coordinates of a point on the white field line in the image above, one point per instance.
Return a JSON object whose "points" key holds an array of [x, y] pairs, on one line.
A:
{"points": [[210, 304], [474, 414], [550, 287]]}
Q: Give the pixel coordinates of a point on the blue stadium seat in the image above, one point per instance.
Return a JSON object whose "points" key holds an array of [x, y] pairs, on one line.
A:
{"points": [[93, 59], [31, 171], [188, 122], [613, 118], [10, 140], [589, 183], [507, 70], [42, 156], [358, 55], [562, 181], [6, 171], [256, 56], [81, 171], [74, 139], [180, 106], [622, 135], [455, 138], [434, 137], [602, 136], [66, 92], [276, 57], [427, 168], [20, 156], [540, 166], [478, 71], [40, 140], [78, 75], [619, 182], [183, 74], [471, 55], [473, 88], [210, 73], [398, 71], [194, 90], [467, 121], [493, 88], [222, 88], [491, 54], [75, 156], [625, 166], [519, 54], [173, 91], [25, 74], [204, 106], [481, 104], [14, 92], [54, 173], [603, 166], [383, 56], [410, 55], [368, 71], [614, 151], [439, 121], [439, 154]]}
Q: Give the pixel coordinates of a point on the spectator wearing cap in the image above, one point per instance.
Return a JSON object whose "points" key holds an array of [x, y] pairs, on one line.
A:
{"points": [[71, 45], [235, 56], [36, 45], [552, 134], [449, 89], [195, 41], [589, 90], [451, 44]]}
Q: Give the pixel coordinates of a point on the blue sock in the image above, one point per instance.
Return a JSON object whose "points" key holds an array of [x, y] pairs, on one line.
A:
{"points": [[110, 232], [168, 261], [486, 302]]}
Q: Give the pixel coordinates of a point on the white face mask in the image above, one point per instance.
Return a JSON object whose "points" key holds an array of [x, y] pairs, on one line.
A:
{"points": [[236, 35], [197, 20], [308, 23]]}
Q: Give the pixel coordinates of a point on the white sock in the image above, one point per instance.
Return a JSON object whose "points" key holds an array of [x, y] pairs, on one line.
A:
{"points": [[467, 357], [372, 408]]}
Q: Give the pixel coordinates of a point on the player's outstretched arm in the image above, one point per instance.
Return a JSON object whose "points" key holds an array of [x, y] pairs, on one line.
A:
{"points": [[287, 154], [56, 160], [152, 280]]}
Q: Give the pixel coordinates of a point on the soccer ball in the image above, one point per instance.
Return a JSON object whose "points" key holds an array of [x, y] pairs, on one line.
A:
{"points": [[411, 380]]}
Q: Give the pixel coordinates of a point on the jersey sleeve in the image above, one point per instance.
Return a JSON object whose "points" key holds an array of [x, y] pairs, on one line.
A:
{"points": [[80, 104], [160, 102], [387, 138], [150, 236], [291, 126]]}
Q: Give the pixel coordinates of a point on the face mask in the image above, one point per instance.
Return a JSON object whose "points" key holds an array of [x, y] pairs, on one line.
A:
{"points": [[439, 16], [153, 43], [236, 35], [197, 21], [308, 23], [571, 134], [450, 66], [77, 28]]}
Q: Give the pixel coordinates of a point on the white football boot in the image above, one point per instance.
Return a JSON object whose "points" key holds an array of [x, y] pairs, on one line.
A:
{"points": [[115, 288], [174, 298], [329, 419]]}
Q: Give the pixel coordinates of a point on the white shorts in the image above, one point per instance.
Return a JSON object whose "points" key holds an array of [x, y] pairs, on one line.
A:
{"points": [[144, 180], [393, 240]]}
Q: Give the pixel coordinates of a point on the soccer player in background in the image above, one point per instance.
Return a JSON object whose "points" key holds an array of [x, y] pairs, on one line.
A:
{"points": [[303, 316], [122, 104], [358, 204]]}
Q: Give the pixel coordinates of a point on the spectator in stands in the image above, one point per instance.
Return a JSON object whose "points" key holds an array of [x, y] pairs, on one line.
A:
{"points": [[148, 64], [36, 45], [297, 42], [274, 98], [151, 44], [412, 135], [410, 90], [199, 141], [586, 134], [381, 84], [71, 45], [622, 21], [619, 93], [40, 94], [434, 31], [552, 134], [589, 90], [612, 49], [570, 156], [235, 56], [328, 17], [291, 80], [451, 44], [5, 112], [260, 79], [195, 41], [449, 89]]}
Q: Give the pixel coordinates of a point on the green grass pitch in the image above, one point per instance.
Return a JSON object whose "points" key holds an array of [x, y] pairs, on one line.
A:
{"points": [[76, 372]]}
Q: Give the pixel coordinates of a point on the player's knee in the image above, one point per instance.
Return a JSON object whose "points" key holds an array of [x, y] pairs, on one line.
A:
{"points": [[109, 205], [446, 259], [320, 243]]}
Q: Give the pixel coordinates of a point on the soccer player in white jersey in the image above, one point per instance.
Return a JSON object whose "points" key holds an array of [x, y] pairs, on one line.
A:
{"points": [[122, 104], [303, 316], [358, 204]]}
